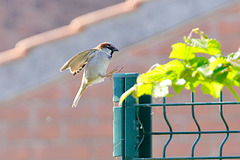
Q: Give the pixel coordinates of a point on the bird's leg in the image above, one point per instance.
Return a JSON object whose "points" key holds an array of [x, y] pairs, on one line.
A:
{"points": [[115, 70]]}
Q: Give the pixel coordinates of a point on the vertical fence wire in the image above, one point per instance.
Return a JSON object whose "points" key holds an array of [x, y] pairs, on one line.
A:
{"points": [[197, 124], [226, 126], [169, 126]]}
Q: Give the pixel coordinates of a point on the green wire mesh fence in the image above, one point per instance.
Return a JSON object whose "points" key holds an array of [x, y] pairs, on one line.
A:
{"points": [[133, 124]]}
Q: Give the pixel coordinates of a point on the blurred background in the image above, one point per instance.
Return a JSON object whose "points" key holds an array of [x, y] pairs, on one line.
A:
{"points": [[23, 18], [39, 36]]}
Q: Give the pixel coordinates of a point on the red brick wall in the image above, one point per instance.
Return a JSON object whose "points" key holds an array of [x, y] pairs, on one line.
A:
{"points": [[41, 125]]}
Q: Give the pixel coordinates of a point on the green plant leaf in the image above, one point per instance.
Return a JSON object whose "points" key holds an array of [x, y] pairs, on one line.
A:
{"points": [[191, 85], [221, 77], [179, 85], [198, 61], [205, 70], [233, 73], [229, 83], [144, 89], [235, 55], [181, 51], [207, 46], [199, 43], [212, 88], [214, 47], [178, 88], [162, 72], [233, 92], [188, 70], [217, 62], [234, 58], [144, 78]]}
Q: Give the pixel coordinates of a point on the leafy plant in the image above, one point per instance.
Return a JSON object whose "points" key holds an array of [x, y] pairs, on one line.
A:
{"points": [[189, 70]]}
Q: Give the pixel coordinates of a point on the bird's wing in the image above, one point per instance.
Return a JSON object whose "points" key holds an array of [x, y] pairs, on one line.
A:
{"points": [[78, 61]]}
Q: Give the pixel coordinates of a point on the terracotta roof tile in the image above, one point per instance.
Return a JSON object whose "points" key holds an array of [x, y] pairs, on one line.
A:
{"points": [[77, 25]]}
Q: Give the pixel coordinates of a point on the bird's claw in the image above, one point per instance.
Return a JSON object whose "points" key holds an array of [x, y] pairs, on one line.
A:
{"points": [[118, 69], [115, 70]]}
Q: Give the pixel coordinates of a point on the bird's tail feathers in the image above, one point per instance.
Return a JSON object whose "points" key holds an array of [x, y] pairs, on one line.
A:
{"points": [[79, 93]]}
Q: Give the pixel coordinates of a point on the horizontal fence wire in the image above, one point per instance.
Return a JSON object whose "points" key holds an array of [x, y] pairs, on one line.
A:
{"points": [[183, 158], [187, 104], [199, 132], [192, 132]]}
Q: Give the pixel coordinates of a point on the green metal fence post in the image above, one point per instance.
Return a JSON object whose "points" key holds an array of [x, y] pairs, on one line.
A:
{"points": [[119, 118], [125, 130], [128, 141], [145, 114], [131, 128]]}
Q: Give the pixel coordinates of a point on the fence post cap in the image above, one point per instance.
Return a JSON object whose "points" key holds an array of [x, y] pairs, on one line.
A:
{"points": [[119, 75]]}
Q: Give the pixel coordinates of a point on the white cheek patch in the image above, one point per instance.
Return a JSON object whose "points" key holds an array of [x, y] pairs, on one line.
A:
{"points": [[108, 52]]}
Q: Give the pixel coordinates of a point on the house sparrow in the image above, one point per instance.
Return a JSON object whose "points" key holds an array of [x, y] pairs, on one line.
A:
{"points": [[96, 62]]}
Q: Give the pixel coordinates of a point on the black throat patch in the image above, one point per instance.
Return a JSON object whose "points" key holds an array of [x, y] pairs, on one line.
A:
{"points": [[111, 53]]}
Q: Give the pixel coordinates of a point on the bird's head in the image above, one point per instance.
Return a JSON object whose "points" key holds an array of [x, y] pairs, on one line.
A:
{"points": [[107, 47]]}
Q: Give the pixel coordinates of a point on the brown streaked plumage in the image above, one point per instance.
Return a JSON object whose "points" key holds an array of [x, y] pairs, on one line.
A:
{"points": [[77, 62]]}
